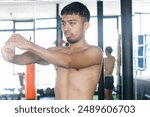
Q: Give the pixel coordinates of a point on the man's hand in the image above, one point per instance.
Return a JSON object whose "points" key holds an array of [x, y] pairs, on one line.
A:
{"points": [[16, 40], [19, 41], [8, 52]]}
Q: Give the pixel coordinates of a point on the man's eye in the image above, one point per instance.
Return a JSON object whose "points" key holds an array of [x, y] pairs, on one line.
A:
{"points": [[72, 23], [62, 23]]}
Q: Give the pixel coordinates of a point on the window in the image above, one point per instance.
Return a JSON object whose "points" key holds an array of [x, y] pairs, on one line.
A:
{"points": [[141, 58], [45, 23], [6, 25], [91, 36], [24, 25]]}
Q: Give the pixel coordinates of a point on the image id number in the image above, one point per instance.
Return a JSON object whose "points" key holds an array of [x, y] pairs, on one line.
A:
{"points": [[106, 109]]}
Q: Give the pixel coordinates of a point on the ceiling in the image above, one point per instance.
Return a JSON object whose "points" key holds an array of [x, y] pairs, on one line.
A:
{"points": [[27, 9]]}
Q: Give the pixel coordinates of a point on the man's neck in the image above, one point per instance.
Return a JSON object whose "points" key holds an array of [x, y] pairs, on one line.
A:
{"points": [[81, 43]]}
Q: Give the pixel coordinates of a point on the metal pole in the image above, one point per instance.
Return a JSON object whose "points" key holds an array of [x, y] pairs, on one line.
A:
{"points": [[127, 55], [58, 28], [100, 44]]}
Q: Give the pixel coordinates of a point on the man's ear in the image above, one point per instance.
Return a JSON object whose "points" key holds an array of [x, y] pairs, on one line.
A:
{"points": [[86, 25]]}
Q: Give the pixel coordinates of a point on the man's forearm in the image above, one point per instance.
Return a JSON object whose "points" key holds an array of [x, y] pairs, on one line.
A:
{"points": [[50, 56], [24, 59]]}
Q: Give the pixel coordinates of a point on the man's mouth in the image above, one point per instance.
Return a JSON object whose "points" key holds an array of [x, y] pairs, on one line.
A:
{"points": [[67, 35]]}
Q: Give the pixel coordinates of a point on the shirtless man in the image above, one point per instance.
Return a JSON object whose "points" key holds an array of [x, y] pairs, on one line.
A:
{"points": [[109, 63], [78, 65]]}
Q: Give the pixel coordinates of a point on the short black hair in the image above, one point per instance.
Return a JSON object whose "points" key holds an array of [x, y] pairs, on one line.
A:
{"points": [[76, 8], [109, 49]]}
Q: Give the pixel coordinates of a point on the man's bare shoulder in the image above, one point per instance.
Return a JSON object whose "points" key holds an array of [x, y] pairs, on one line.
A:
{"points": [[95, 53], [95, 49], [113, 58]]}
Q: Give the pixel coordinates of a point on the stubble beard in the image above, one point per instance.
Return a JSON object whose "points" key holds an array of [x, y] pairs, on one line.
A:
{"points": [[72, 41]]}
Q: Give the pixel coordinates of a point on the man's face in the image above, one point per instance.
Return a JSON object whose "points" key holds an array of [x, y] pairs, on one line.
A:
{"points": [[73, 27]]}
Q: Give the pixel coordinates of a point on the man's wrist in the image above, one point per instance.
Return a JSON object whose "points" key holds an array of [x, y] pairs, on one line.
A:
{"points": [[30, 46]]}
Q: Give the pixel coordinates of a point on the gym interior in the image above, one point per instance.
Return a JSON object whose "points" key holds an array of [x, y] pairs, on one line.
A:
{"points": [[121, 24]]}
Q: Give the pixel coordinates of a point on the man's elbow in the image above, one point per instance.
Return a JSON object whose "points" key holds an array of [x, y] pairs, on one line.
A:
{"points": [[42, 63]]}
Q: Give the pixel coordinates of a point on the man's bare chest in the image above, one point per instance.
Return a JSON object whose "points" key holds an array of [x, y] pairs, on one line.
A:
{"points": [[84, 72]]}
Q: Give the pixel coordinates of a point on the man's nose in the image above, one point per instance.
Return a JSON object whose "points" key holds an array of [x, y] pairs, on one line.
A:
{"points": [[66, 27]]}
